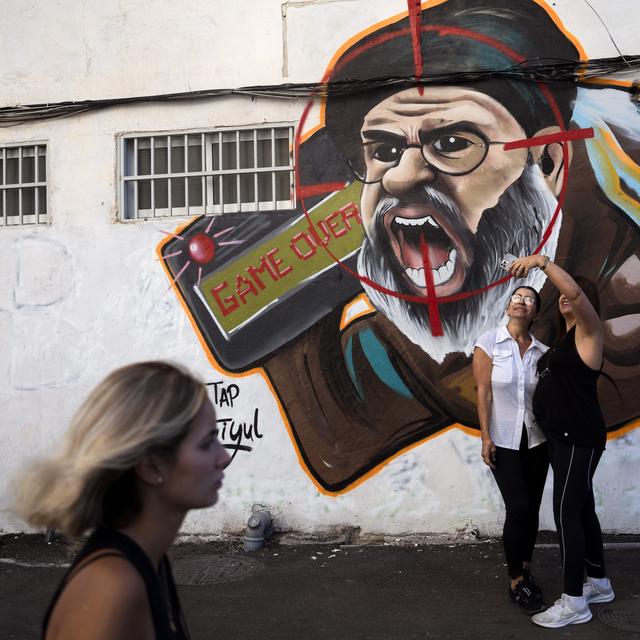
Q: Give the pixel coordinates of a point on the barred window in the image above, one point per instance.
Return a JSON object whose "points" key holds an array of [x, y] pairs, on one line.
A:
{"points": [[23, 185], [220, 171]]}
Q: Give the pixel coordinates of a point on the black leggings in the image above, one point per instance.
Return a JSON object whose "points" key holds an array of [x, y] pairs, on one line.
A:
{"points": [[574, 511], [521, 476]]}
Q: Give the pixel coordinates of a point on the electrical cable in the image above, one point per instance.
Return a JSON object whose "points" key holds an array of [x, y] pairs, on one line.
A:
{"points": [[605, 28], [542, 70]]}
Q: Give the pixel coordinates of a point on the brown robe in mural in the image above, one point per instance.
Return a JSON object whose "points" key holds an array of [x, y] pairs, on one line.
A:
{"points": [[347, 423]]}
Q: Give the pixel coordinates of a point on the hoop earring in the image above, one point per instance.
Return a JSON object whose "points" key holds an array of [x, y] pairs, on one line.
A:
{"points": [[546, 162]]}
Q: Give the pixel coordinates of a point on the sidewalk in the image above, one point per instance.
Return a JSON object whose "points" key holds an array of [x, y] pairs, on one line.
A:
{"points": [[350, 592]]}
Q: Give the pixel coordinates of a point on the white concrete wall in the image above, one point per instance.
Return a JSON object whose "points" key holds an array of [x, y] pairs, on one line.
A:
{"points": [[85, 293]]}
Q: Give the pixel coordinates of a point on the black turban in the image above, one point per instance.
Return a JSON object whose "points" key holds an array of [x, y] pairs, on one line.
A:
{"points": [[476, 36]]}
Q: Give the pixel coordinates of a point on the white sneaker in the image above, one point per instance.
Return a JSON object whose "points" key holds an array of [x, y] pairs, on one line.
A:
{"points": [[562, 613], [595, 592]]}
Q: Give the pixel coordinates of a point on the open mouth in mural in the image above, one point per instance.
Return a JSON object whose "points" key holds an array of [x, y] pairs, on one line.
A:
{"points": [[407, 227]]}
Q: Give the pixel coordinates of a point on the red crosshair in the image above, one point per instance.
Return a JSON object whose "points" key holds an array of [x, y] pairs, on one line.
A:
{"points": [[415, 30]]}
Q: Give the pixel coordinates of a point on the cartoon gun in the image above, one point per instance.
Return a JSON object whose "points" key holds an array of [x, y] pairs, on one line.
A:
{"points": [[253, 282]]}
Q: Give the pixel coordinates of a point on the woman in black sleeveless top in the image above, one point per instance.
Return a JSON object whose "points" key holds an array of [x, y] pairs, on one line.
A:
{"points": [[567, 410], [141, 452]]}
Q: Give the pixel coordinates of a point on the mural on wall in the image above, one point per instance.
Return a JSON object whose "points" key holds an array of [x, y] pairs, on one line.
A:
{"points": [[361, 307]]}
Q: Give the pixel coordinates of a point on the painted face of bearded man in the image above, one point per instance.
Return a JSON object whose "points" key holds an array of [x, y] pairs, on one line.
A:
{"points": [[441, 193], [438, 187]]}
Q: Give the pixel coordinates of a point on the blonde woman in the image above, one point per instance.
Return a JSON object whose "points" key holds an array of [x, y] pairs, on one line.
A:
{"points": [[141, 452]]}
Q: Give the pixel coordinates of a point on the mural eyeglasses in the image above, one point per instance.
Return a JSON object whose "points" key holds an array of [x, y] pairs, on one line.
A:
{"points": [[455, 151]]}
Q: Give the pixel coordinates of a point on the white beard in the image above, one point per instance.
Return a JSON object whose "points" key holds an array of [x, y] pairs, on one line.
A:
{"points": [[515, 225]]}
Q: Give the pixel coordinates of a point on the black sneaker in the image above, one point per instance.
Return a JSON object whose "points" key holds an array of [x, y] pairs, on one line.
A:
{"points": [[526, 598], [531, 583]]}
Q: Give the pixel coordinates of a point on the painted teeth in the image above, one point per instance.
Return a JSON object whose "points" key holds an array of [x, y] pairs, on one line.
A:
{"points": [[416, 222], [416, 276], [440, 276]]}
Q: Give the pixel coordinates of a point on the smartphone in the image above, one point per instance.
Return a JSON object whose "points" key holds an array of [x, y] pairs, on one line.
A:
{"points": [[507, 261]]}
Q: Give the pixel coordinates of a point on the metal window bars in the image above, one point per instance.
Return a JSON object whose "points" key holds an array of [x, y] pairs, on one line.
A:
{"points": [[23, 186], [183, 174]]}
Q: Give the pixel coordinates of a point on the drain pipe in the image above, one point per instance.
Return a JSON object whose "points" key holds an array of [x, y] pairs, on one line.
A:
{"points": [[258, 528]]}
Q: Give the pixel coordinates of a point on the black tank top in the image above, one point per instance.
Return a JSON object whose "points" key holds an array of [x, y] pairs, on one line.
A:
{"points": [[166, 613], [565, 402]]}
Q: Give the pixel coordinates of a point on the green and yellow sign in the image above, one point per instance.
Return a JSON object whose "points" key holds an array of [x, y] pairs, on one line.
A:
{"points": [[246, 286]]}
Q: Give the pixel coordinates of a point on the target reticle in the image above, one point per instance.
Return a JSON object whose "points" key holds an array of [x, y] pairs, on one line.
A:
{"points": [[562, 137]]}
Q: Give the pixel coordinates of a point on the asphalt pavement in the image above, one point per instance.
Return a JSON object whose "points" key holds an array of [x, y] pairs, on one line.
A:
{"points": [[303, 588]]}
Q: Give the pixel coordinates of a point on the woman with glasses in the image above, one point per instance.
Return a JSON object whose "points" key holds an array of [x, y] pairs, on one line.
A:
{"points": [[514, 448], [141, 452], [566, 407]]}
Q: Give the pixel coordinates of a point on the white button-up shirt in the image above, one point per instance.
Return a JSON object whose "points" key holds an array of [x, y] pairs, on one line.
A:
{"points": [[513, 381]]}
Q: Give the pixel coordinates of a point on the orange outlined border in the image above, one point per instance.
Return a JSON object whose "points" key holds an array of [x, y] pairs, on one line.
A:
{"points": [[216, 365], [364, 298], [260, 371], [400, 16]]}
